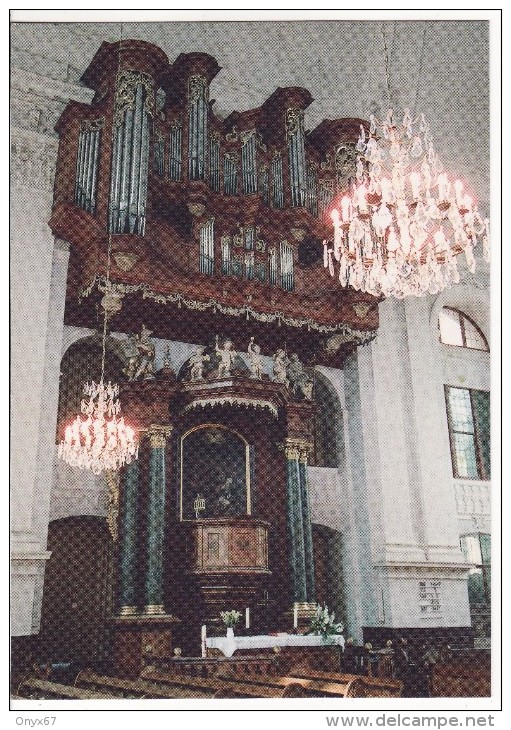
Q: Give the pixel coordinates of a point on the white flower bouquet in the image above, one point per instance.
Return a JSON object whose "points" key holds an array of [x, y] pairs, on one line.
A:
{"points": [[323, 623], [230, 618]]}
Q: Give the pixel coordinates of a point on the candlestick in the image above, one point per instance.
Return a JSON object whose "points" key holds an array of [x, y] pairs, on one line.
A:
{"points": [[247, 618], [295, 617], [203, 640]]}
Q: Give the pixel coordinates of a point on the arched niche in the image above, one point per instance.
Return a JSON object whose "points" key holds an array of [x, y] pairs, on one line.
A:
{"points": [[215, 465], [328, 427], [82, 363]]}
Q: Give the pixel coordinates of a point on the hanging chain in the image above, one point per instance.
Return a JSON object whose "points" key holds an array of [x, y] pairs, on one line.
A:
{"points": [[387, 65], [109, 252], [421, 61]]}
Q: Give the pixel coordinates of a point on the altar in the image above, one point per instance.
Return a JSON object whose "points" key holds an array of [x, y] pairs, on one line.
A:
{"points": [[229, 644]]}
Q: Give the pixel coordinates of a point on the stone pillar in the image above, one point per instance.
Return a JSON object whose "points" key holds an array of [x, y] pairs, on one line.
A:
{"points": [[128, 523], [153, 590], [307, 526], [295, 523]]}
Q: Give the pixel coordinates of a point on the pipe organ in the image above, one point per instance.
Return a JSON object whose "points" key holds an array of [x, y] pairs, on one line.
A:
{"points": [[214, 227]]}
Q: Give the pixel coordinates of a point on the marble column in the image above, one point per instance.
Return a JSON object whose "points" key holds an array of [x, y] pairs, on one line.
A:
{"points": [[153, 589], [295, 524], [128, 542], [307, 526]]}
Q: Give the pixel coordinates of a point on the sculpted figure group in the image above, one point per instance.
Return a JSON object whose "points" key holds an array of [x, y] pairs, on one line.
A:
{"points": [[140, 354]]}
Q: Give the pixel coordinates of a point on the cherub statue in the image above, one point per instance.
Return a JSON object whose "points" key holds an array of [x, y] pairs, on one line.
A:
{"points": [[300, 382], [197, 361], [255, 359], [280, 363], [132, 356], [146, 352], [226, 355]]}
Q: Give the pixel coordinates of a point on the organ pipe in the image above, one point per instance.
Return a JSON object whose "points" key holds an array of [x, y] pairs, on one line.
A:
{"points": [[197, 126], [296, 150], [248, 162], [130, 152], [175, 144], [87, 164], [277, 181]]}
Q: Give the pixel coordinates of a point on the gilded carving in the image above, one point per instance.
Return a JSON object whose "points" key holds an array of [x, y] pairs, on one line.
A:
{"points": [[297, 449], [247, 135], [227, 400], [361, 309], [294, 121], [92, 125], [158, 436], [232, 136], [359, 336], [127, 82], [345, 163], [112, 513], [327, 164], [197, 88]]}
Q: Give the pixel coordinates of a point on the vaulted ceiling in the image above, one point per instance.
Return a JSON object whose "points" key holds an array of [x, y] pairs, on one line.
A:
{"points": [[439, 67]]}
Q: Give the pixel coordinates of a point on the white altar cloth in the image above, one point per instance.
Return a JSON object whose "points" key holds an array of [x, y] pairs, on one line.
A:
{"points": [[228, 645]]}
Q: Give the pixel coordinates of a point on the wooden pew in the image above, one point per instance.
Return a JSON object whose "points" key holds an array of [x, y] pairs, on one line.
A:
{"points": [[367, 687], [251, 686], [460, 678], [208, 667], [270, 686], [124, 688], [42, 689]]}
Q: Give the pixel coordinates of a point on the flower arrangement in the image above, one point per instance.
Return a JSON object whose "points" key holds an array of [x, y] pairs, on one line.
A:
{"points": [[323, 623], [230, 618]]}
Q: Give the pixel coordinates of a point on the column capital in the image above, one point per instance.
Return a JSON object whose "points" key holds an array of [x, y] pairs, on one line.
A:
{"points": [[296, 449], [158, 435]]}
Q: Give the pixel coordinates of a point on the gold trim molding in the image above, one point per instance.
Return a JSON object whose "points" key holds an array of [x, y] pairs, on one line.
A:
{"points": [[158, 435]]}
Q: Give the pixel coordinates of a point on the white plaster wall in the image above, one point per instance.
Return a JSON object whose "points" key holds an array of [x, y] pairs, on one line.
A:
{"points": [[401, 606], [38, 281], [400, 463]]}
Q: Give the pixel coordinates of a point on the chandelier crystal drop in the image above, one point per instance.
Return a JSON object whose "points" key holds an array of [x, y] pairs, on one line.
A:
{"points": [[402, 223], [98, 439]]}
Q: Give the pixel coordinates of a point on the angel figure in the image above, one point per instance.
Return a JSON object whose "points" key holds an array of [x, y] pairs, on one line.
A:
{"points": [[226, 355], [197, 361], [280, 363], [147, 352], [255, 359], [300, 381]]}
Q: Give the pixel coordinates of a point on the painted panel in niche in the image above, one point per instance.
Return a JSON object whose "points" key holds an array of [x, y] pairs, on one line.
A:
{"points": [[215, 466]]}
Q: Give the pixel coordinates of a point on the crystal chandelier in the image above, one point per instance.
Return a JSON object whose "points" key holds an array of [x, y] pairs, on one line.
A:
{"points": [[98, 439], [401, 224]]}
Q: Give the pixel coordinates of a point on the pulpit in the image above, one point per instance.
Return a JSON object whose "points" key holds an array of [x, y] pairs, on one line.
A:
{"points": [[227, 563]]}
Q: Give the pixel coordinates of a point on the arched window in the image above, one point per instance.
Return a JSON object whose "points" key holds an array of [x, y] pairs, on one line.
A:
{"points": [[459, 330]]}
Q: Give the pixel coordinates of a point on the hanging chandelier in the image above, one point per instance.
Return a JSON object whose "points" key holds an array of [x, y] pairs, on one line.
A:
{"points": [[401, 224], [98, 439]]}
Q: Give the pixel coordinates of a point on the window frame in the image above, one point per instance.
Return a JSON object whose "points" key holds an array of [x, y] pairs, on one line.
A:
{"points": [[461, 320], [484, 567], [482, 476]]}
